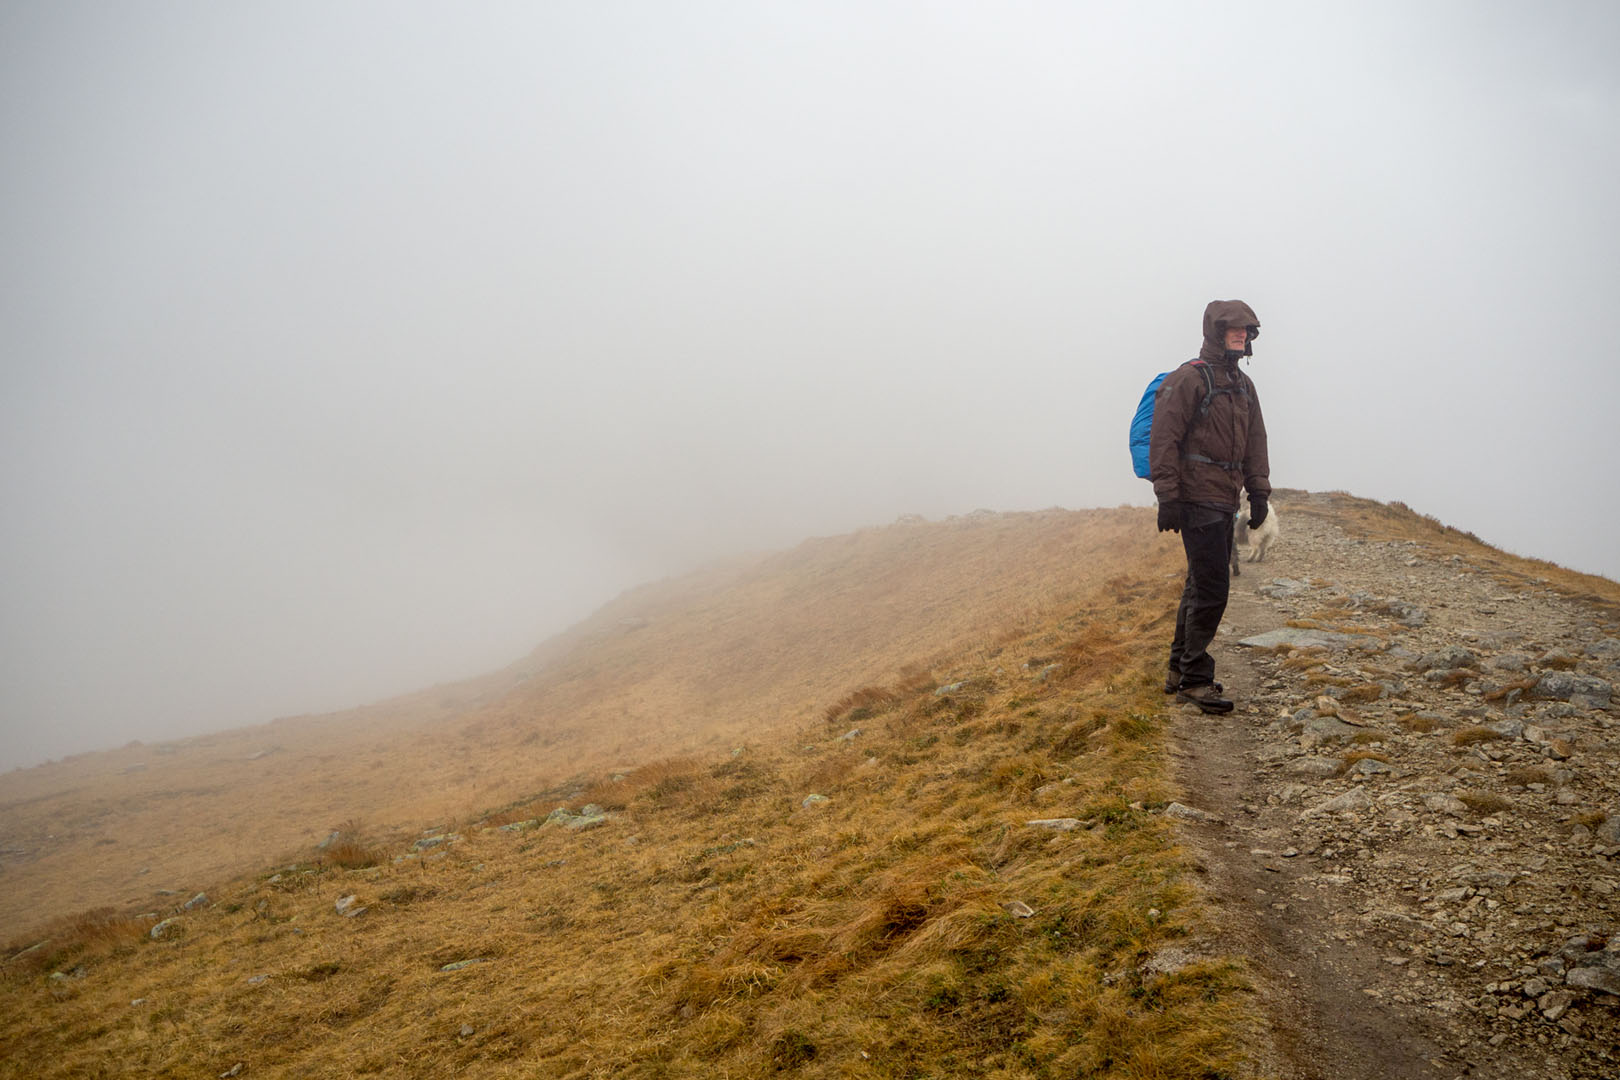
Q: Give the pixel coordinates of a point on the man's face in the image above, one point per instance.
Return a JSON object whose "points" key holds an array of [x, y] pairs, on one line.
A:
{"points": [[1237, 338]]}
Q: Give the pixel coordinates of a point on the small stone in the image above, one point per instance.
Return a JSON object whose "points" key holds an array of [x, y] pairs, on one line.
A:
{"points": [[349, 906], [1555, 1004], [1064, 824], [467, 1030], [1018, 909], [1188, 813], [460, 965], [1355, 799], [1450, 658], [813, 800], [1445, 804], [195, 902], [164, 928]]}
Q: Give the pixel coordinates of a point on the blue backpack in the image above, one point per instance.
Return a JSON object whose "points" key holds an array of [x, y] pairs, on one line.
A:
{"points": [[1142, 422]]}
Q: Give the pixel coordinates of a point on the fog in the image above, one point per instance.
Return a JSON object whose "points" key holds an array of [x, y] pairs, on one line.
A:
{"points": [[348, 348]]}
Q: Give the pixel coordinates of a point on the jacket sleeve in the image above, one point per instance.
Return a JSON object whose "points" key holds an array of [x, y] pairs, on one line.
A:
{"points": [[1173, 409], [1256, 457]]}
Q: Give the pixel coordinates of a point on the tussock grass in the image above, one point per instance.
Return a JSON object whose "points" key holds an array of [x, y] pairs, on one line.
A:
{"points": [[1420, 724], [1483, 802], [1501, 692], [1525, 775], [1362, 693]]}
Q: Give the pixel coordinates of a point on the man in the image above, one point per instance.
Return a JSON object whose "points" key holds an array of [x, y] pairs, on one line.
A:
{"points": [[1208, 441]]}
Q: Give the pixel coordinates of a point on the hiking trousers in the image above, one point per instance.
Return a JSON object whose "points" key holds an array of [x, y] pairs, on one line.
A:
{"points": [[1206, 535]]}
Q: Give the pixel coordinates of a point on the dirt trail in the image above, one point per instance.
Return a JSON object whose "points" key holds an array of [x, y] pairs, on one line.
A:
{"points": [[1416, 841]]}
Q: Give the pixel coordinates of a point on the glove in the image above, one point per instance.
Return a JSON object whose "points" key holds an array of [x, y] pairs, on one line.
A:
{"points": [[1170, 517], [1257, 511]]}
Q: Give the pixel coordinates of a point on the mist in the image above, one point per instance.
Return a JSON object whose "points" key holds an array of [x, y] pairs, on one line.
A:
{"points": [[352, 348]]}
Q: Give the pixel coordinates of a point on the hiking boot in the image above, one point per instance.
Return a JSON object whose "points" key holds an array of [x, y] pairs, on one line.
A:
{"points": [[1207, 698], [1172, 683]]}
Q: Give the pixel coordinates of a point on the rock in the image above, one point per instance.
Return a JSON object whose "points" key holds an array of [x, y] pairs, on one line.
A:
{"points": [[1062, 824], [1188, 813], [1509, 662], [1608, 831], [813, 800], [164, 929], [1607, 649], [460, 965], [1291, 637], [1283, 589], [427, 842], [521, 826], [1508, 729], [195, 902], [1442, 803], [1558, 660], [1324, 729], [1320, 768], [1602, 979], [1018, 909], [1372, 766], [1451, 657], [1356, 799], [849, 736], [589, 817], [331, 838], [1585, 691], [349, 906], [1555, 1004]]}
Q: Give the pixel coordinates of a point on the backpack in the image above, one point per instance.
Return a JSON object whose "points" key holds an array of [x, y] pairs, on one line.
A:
{"points": [[1142, 422]]}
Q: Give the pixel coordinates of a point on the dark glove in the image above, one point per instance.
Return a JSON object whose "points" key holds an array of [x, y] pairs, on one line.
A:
{"points": [[1257, 511], [1169, 517]]}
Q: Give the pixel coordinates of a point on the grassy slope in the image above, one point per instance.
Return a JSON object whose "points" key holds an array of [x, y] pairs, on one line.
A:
{"points": [[693, 664], [718, 926]]}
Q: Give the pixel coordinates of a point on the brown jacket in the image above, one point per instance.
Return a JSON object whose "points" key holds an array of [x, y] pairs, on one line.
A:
{"points": [[1207, 459]]}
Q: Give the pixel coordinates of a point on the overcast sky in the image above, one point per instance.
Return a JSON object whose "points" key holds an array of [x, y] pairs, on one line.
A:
{"points": [[350, 347]]}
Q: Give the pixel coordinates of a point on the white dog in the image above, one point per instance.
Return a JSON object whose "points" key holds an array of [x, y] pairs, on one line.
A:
{"points": [[1259, 539]]}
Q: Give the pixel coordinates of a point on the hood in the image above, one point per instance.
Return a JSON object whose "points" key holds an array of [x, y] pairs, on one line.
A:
{"points": [[1218, 316]]}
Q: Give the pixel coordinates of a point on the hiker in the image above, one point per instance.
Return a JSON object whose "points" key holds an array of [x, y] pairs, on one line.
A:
{"points": [[1208, 442]]}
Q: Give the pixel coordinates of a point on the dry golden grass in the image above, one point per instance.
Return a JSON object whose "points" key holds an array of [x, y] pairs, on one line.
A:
{"points": [[1417, 723], [1525, 775], [1483, 802], [718, 926], [695, 665]]}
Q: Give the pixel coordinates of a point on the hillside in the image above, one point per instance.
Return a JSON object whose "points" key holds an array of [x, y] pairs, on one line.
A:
{"points": [[904, 803], [694, 664]]}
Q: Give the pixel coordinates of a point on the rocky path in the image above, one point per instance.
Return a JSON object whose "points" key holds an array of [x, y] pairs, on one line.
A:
{"points": [[1417, 812]]}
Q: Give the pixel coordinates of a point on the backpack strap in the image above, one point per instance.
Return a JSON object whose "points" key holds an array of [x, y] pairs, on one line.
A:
{"points": [[1203, 411]]}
